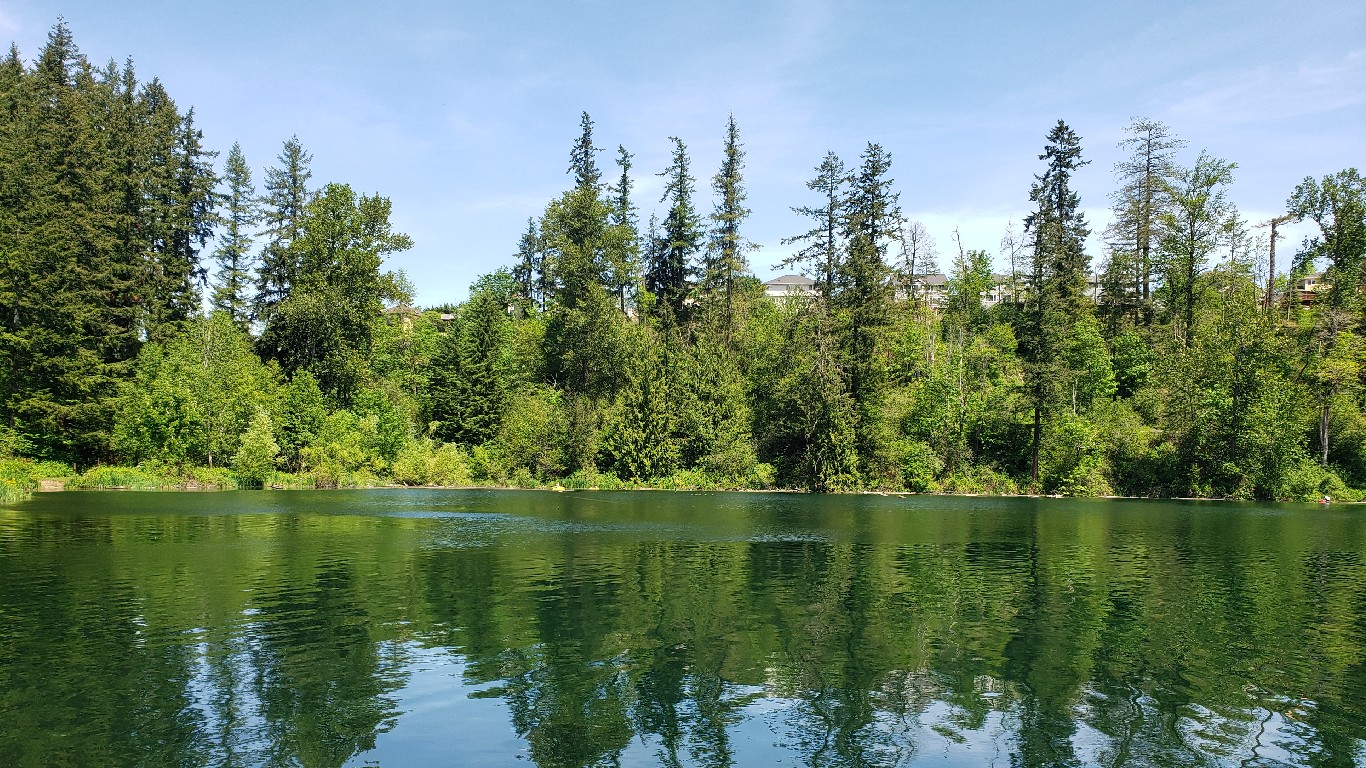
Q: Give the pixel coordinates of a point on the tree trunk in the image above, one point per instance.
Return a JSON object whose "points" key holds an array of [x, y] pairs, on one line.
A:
{"points": [[1035, 447], [1323, 432]]}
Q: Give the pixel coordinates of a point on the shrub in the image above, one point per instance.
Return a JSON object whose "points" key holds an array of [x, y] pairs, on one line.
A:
{"points": [[102, 477], [919, 465], [217, 477], [980, 480], [426, 462], [257, 452], [17, 479]]}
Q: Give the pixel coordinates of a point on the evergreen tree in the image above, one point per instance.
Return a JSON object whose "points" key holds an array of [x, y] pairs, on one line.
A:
{"points": [[71, 324], [583, 162], [326, 324], [581, 327], [469, 388], [863, 296], [668, 276], [233, 255], [581, 246], [639, 441], [625, 268], [530, 270], [820, 256], [255, 459], [1145, 178], [726, 257], [1057, 284], [282, 212]]}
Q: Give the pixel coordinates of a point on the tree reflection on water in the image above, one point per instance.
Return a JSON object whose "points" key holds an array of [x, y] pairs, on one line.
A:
{"points": [[1104, 635]]}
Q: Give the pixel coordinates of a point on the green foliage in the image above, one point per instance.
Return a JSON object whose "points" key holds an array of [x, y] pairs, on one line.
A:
{"points": [[1188, 233], [1337, 204], [257, 452], [533, 434], [579, 367], [282, 211], [106, 201], [102, 477], [18, 478], [1132, 362], [326, 322], [190, 403], [233, 255], [302, 411], [639, 441], [337, 457], [1092, 375], [920, 466], [426, 462], [470, 377], [582, 323], [667, 276]]}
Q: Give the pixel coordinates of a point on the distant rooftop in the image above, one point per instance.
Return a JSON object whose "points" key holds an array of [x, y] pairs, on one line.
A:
{"points": [[786, 280]]}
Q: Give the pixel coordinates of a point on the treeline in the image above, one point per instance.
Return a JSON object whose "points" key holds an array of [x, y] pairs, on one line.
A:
{"points": [[621, 351]]}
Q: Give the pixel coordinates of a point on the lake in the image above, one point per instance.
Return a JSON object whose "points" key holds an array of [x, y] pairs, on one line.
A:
{"points": [[505, 628]]}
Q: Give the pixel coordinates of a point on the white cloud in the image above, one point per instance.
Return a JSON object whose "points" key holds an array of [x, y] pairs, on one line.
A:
{"points": [[1252, 95]]}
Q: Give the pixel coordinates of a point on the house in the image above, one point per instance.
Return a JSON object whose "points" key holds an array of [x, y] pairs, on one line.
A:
{"points": [[405, 315], [789, 286], [1308, 288], [929, 288], [1003, 288]]}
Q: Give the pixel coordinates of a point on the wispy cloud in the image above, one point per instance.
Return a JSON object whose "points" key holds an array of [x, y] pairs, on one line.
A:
{"points": [[1254, 94]]}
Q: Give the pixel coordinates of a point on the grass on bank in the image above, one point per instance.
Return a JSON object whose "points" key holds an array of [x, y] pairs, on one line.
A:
{"points": [[20, 477], [428, 463]]}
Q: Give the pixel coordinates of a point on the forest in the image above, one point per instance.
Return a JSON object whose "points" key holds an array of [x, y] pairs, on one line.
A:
{"points": [[164, 322]]}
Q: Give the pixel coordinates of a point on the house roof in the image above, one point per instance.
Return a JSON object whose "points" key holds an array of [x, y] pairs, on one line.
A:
{"points": [[787, 280]]}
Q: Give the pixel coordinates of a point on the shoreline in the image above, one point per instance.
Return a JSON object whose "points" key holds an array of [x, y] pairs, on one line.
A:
{"points": [[57, 485]]}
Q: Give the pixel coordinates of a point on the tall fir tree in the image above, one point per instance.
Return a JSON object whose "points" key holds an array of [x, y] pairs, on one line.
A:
{"points": [[863, 297], [580, 244], [282, 212], [530, 272], [1058, 280], [469, 389], [726, 261], [819, 256], [71, 324], [625, 267], [233, 277], [669, 275], [583, 162]]}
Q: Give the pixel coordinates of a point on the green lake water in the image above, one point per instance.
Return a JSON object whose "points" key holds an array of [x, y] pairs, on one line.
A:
{"points": [[498, 628]]}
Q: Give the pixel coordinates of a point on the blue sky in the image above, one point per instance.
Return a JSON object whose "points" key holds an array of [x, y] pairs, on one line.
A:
{"points": [[463, 113]]}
